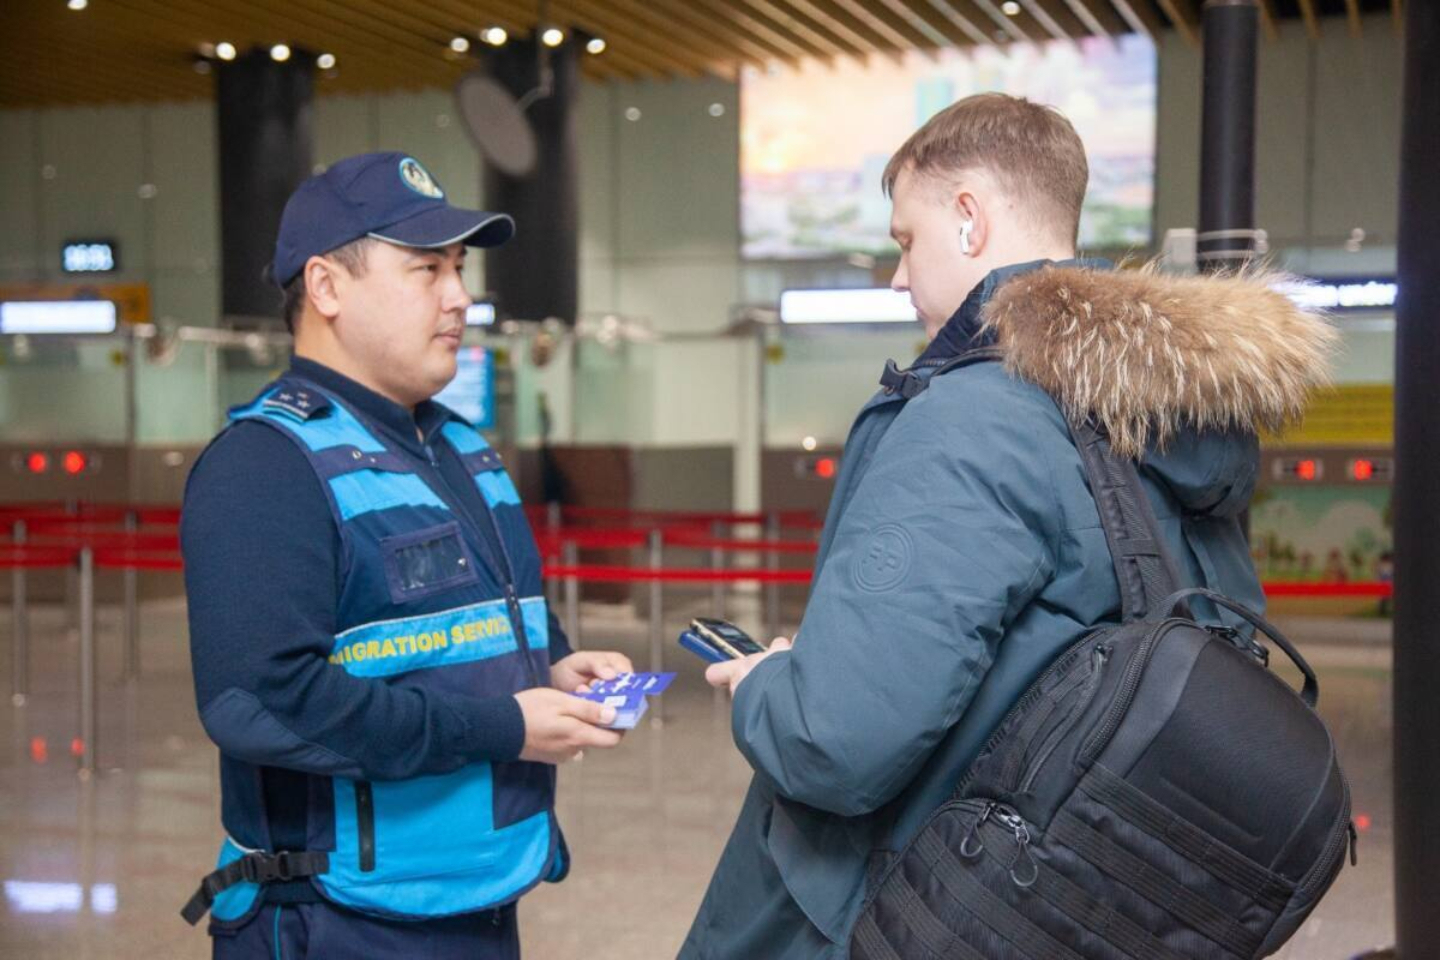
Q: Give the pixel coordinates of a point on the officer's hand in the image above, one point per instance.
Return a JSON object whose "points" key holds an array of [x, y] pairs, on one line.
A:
{"points": [[559, 726], [731, 672], [577, 671]]}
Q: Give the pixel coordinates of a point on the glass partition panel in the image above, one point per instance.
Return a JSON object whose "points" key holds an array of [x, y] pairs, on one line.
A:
{"points": [[63, 389]]}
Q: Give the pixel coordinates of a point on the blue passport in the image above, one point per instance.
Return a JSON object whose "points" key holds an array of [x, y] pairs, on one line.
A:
{"points": [[627, 693]]}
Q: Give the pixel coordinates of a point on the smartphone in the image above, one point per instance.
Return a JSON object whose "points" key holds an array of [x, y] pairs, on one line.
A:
{"points": [[726, 637], [703, 648]]}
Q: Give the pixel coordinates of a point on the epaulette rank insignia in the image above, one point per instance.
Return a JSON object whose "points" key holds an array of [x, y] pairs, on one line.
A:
{"points": [[297, 403]]}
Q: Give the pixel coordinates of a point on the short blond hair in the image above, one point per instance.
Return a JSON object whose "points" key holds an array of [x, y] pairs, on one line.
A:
{"points": [[1030, 149]]}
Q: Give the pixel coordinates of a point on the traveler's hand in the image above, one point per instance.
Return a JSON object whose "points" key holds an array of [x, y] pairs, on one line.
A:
{"points": [[731, 672], [574, 673], [559, 726]]}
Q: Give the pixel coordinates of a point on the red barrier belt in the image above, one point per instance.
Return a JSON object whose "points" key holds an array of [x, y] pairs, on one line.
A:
{"points": [[107, 539], [787, 518], [1360, 589], [659, 516], [136, 560], [679, 538], [35, 558], [598, 539], [614, 574], [586, 539]]}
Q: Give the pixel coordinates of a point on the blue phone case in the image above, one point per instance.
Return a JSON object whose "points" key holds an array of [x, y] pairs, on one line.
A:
{"points": [[701, 649]]}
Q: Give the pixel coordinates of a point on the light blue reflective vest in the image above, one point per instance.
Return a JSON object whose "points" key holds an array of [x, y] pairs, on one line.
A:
{"points": [[418, 605]]}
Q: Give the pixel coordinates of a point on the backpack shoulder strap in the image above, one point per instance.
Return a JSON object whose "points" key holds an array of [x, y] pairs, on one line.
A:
{"points": [[1146, 573], [1144, 568]]}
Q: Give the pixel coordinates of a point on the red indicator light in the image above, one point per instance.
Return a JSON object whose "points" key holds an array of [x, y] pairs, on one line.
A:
{"points": [[39, 750], [1305, 470], [37, 462], [1362, 822], [825, 468], [77, 747], [1363, 469], [74, 462]]}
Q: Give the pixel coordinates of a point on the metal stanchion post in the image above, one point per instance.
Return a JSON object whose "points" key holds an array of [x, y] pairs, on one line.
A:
{"points": [[88, 694], [132, 609], [717, 563], [572, 596], [772, 590], [552, 531], [657, 613], [72, 509], [20, 628]]}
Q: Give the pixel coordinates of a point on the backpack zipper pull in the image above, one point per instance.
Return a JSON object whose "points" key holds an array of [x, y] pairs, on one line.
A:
{"points": [[1354, 843], [1022, 849], [974, 833]]}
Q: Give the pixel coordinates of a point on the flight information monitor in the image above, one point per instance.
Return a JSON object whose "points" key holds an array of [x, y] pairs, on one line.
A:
{"points": [[472, 393]]}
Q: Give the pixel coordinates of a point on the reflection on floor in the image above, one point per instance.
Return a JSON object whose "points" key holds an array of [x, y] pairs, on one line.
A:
{"points": [[99, 869]]}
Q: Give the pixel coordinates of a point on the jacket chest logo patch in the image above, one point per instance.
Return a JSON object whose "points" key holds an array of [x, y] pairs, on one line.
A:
{"points": [[884, 560]]}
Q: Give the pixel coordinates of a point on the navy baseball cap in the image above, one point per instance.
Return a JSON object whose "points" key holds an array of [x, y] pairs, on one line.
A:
{"points": [[388, 196]]}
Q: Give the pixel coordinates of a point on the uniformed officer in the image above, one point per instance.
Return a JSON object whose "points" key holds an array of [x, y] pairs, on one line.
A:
{"points": [[372, 651]]}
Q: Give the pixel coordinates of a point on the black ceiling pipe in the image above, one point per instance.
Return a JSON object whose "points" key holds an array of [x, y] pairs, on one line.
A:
{"points": [[1226, 237], [265, 115], [1417, 494]]}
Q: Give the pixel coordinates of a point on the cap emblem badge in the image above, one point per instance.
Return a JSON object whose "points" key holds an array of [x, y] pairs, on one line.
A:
{"points": [[417, 178]]}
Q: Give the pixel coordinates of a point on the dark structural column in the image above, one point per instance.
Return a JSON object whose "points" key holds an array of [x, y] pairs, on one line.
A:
{"points": [[1226, 236], [536, 275], [1417, 496], [266, 150]]}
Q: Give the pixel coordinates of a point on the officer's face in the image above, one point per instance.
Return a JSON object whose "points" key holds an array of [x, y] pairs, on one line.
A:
{"points": [[926, 223], [403, 318]]}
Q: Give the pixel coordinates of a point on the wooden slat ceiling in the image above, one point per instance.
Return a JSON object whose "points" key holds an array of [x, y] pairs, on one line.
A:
{"points": [[147, 50]]}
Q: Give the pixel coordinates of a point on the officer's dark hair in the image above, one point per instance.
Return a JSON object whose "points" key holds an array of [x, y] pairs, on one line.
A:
{"points": [[352, 256]]}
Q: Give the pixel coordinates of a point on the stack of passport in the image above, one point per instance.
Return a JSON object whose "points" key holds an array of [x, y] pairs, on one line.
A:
{"points": [[627, 693]]}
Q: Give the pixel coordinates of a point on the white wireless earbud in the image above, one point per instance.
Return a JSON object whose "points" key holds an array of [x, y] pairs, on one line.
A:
{"points": [[965, 229]]}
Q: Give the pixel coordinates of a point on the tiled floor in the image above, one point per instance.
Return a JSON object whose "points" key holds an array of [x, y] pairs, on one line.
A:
{"points": [[98, 869]]}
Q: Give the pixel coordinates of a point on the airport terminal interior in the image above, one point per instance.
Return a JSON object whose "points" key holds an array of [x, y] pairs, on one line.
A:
{"points": [[668, 356]]}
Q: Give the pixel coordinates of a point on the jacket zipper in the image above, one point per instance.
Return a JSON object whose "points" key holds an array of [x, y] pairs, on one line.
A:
{"points": [[1100, 656], [1134, 670], [507, 570], [365, 824]]}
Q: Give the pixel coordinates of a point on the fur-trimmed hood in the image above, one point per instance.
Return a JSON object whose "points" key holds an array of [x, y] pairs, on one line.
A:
{"points": [[1148, 354]]}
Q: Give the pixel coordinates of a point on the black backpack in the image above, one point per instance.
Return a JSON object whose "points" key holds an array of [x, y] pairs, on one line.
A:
{"points": [[1156, 794]]}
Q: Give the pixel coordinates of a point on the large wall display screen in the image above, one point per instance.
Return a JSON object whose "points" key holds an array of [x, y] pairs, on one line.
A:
{"points": [[814, 140]]}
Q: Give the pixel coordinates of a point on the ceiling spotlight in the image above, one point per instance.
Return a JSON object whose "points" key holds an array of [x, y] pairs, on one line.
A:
{"points": [[1010, 8], [280, 53], [225, 50], [495, 36], [632, 114], [460, 45], [595, 45], [78, 4], [717, 110], [552, 37], [326, 61]]}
